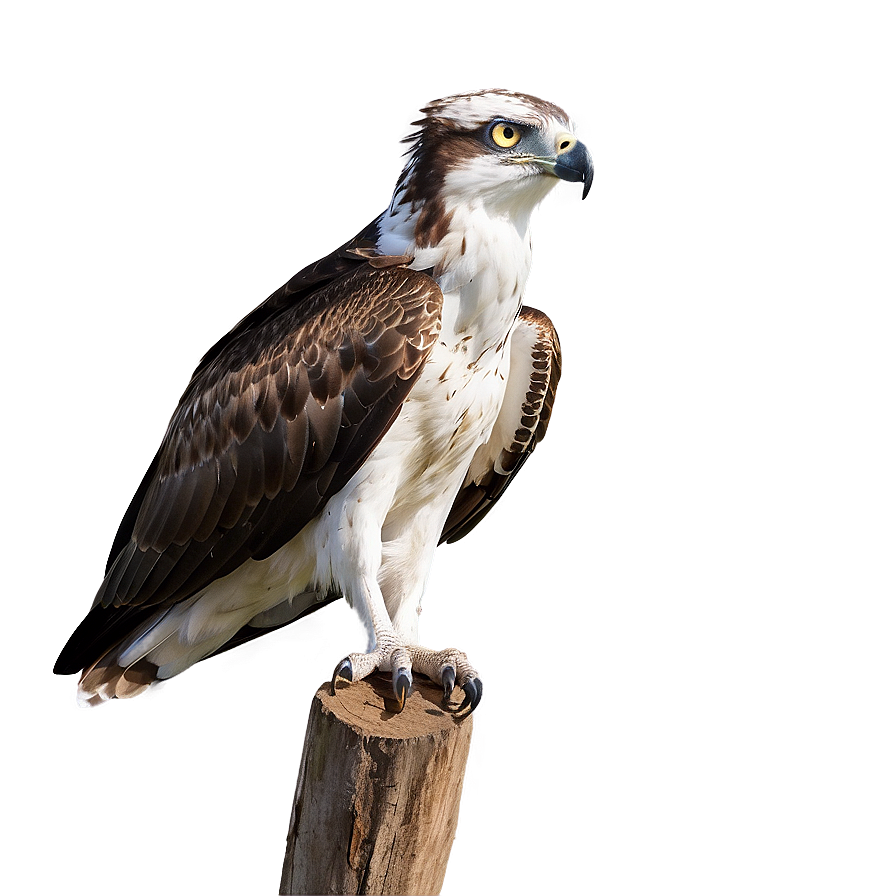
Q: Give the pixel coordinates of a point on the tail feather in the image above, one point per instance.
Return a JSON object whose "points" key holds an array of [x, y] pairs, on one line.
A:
{"points": [[163, 642], [107, 680]]}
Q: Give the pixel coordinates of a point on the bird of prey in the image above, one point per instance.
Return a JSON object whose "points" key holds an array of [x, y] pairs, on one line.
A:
{"points": [[373, 407]]}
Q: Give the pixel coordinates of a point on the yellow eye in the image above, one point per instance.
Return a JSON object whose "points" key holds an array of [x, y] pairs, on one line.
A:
{"points": [[506, 135]]}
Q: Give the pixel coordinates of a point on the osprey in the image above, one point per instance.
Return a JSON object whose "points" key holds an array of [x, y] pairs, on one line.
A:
{"points": [[375, 406]]}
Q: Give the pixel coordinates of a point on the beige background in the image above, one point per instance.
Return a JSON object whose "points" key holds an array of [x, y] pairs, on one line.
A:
{"points": [[708, 575]]}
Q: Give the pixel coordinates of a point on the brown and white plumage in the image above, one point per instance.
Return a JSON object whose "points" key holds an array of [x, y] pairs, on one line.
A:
{"points": [[521, 423], [375, 405]]}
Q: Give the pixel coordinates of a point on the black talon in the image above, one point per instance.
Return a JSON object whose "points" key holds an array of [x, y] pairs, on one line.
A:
{"points": [[401, 686], [343, 671], [473, 692], [448, 679]]}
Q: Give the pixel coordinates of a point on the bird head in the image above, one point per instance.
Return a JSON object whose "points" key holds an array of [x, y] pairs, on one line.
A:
{"points": [[502, 150]]}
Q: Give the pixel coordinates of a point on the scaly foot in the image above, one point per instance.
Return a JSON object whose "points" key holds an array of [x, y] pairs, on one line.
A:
{"points": [[448, 668]]}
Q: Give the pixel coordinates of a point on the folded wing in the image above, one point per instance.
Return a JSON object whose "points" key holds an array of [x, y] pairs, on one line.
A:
{"points": [[522, 422], [277, 418]]}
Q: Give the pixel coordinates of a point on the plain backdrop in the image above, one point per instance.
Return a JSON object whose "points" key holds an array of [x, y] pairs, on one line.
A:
{"points": [[683, 611]]}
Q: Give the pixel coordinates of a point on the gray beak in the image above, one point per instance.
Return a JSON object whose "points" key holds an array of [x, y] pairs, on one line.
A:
{"points": [[576, 166]]}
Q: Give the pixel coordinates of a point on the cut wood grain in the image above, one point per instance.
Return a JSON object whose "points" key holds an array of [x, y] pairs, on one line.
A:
{"points": [[378, 793]]}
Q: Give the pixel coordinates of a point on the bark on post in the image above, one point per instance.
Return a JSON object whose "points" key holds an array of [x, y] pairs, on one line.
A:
{"points": [[378, 794]]}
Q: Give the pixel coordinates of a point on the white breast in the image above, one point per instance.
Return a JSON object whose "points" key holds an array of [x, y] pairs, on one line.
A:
{"points": [[450, 411], [481, 266]]}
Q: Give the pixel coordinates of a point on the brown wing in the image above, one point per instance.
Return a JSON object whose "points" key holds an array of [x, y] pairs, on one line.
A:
{"points": [[522, 422], [299, 287], [267, 431]]}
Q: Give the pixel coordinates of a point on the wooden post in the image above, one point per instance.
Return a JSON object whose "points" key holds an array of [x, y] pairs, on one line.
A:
{"points": [[378, 794]]}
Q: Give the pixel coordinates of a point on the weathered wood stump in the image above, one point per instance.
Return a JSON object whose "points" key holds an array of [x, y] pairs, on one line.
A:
{"points": [[378, 794]]}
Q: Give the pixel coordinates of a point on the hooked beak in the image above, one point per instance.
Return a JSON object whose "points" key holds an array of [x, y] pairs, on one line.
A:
{"points": [[572, 162]]}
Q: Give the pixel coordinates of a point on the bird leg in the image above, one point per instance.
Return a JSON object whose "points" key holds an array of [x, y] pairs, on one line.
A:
{"points": [[390, 651]]}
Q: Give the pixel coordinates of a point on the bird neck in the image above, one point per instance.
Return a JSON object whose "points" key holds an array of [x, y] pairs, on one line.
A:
{"points": [[479, 255]]}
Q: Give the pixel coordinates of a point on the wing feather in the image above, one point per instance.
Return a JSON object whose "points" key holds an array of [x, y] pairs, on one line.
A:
{"points": [[522, 422], [267, 430]]}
